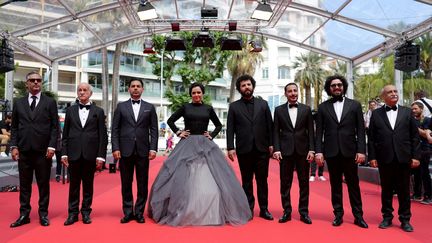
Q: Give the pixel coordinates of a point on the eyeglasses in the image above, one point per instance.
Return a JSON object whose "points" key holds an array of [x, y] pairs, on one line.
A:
{"points": [[339, 85], [34, 80]]}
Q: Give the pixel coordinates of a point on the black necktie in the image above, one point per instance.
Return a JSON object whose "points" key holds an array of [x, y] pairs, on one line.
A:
{"points": [[337, 98], [135, 102], [293, 105], [33, 103], [388, 108], [84, 106]]}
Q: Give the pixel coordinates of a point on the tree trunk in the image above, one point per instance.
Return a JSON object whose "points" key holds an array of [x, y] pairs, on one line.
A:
{"points": [[115, 76], [428, 74], [105, 81], [232, 90], [308, 95]]}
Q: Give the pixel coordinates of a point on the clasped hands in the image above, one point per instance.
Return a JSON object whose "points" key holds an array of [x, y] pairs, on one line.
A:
{"points": [[185, 133]]}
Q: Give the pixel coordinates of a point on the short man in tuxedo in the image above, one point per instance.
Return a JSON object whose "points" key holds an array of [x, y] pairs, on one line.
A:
{"points": [[340, 140], [84, 144], [33, 142], [249, 120], [394, 149], [134, 143], [294, 148]]}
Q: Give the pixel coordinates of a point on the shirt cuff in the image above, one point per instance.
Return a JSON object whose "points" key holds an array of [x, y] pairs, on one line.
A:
{"points": [[52, 148], [101, 159], [64, 157], [153, 151]]}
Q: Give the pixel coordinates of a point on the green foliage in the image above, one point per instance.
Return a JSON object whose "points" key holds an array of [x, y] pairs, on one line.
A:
{"points": [[21, 91], [177, 100]]}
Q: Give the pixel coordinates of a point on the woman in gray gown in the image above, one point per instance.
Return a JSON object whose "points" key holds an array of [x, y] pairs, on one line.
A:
{"points": [[196, 185]]}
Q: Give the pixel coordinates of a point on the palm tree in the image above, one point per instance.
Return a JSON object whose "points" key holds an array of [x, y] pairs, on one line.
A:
{"points": [[242, 62], [425, 43], [310, 74]]}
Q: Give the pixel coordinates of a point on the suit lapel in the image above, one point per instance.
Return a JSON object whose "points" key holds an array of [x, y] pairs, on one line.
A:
{"points": [[243, 109], [37, 109], [300, 112], [26, 106], [286, 116], [331, 110], [398, 116], [383, 115], [346, 106], [256, 109], [91, 113], [141, 112], [75, 115], [130, 110]]}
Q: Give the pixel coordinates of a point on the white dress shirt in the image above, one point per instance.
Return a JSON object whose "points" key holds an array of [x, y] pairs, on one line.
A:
{"points": [[392, 115], [292, 114], [83, 114], [136, 108], [338, 107], [30, 100]]}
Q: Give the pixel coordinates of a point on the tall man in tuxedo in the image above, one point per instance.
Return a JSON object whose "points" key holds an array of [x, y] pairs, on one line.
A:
{"points": [[249, 120], [134, 143], [33, 141], [340, 140], [84, 143], [394, 149], [294, 148]]}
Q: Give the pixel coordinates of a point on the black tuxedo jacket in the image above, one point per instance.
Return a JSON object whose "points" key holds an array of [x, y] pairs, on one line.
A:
{"points": [[288, 139], [89, 141], [127, 133], [346, 136], [34, 130], [384, 143], [249, 130]]}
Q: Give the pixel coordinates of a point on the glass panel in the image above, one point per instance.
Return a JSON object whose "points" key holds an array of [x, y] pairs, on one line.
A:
{"points": [[329, 5], [110, 25], [19, 15], [347, 40], [80, 5], [389, 14]]}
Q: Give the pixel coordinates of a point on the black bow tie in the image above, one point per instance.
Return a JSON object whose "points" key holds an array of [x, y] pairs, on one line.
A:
{"points": [[337, 98], [135, 102], [292, 105], [388, 108], [84, 106]]}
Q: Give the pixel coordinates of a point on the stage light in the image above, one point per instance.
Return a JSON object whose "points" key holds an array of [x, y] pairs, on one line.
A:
{"points": [[6, 57], [407, 57], [146, 11], [255, 46], [232, 26], [175, 26], [203, 39], [231, 43], [209, 13], [149, 47], [175, 43], [262, 12]]}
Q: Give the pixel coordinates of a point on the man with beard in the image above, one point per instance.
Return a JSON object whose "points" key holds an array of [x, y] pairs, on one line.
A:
{"points": [[249, 120], [294, 145], [340, 140], [393, 148]]}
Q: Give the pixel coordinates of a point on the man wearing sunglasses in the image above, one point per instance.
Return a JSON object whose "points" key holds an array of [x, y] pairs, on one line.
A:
{"points": [[33, 141], [340, 140]]}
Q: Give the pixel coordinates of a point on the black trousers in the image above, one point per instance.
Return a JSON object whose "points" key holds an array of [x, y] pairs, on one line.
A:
{"points": [[287, 165], [425, 174], [255, 163], [81, 171], [127, 166], [28, 163], [342, 166], [314, 168], [395, 177]]}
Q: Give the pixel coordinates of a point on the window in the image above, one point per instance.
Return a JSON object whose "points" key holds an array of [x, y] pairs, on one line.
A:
{"points": [[312, 40], [284, 72], [284, 52], [265, 73]]}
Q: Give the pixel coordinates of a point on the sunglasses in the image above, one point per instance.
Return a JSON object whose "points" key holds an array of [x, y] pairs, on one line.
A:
{"points": [[34, 80], [339, 85]]}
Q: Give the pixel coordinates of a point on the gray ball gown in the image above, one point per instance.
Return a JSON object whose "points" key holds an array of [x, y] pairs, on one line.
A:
{"points": [[196, 185]]}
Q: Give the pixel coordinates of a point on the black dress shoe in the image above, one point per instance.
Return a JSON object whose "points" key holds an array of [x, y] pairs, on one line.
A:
{"points": [[305, 219], [140, 219], [407, 227], [265, 214], [337, 221], [44, 221], [285, 218], [86, 219], [71, 219], [361, 223], [126, 219], [385, 224], [22, 220]]}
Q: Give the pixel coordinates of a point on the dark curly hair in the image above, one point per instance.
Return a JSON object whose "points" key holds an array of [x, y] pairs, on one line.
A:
{"points": [[329, 79], [244, 78], [196, 85]]}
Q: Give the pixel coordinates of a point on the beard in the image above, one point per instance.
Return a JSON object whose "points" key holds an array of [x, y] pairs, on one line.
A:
{"points": [[247, 94]]}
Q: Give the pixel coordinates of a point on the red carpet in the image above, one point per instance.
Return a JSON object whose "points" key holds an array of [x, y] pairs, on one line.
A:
{"points": [[107, 213]]}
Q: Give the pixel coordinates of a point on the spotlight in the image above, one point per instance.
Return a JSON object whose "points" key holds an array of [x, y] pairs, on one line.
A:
{"points": [[6, 57], [209, 13], [262, 12], [232, 26], [146, 11], [203, 39], [175, 26], [149, 47], [175, 43], [255, 46], [231, 43]]}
